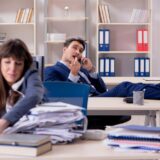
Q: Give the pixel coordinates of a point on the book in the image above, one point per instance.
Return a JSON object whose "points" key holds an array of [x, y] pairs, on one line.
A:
{"points": [[22, 15], [104, 13], [24, 144], [107, 13], [30, 15], [18, 16], [26, 15], [139, 16], [101, 14]]}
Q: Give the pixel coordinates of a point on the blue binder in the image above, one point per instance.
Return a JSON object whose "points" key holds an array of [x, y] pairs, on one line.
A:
{"points": [[104, 40], [142, 67], [107, 66], [136, 67], [147, 67], [102, 66], [112, 66]]}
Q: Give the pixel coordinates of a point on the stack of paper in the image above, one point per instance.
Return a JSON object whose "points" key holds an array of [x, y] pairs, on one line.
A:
{"points": [[135, 137], [56, 119]]}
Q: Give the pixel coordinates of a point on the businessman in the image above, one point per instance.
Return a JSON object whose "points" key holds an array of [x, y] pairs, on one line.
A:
{"points": [[75, 68]]}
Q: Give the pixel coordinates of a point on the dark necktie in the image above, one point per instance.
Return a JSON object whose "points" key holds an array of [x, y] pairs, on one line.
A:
{"points": [[84, 79]]}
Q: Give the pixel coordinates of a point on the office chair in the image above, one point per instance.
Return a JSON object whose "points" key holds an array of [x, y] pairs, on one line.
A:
{"points": [[68, 92], [38, 63]]}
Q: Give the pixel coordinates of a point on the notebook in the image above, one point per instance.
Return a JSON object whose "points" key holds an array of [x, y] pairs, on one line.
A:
{"points": [[131, 144], [123, 133], [141, 128], [135, 137]]}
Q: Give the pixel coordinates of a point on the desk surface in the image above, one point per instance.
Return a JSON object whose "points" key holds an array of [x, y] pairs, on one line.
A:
{"points": [[116, 106], [117, 80], [117, 103], [87, 150]]}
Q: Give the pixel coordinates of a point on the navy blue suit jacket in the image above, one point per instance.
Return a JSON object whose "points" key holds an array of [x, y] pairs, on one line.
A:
{"points": [[60, 72]]}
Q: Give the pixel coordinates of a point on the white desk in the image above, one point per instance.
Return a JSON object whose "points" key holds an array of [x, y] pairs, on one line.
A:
{"points": [[87, 150], [116, 106], [117, 80]]}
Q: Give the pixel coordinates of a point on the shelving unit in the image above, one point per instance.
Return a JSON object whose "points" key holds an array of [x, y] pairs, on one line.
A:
{"points": [[24, 31], [123, 34], [67, 18]]}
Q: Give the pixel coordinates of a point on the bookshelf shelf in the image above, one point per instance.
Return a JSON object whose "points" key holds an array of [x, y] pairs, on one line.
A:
{"points": [[130, 24], [25, 30], [60, 24], [66, 19], [118, 23], [123, 52], [17, 24], [54, 42]]}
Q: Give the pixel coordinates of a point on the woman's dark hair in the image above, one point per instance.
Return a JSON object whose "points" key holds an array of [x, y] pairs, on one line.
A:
{"points": [[70, 40], [15, 48]]}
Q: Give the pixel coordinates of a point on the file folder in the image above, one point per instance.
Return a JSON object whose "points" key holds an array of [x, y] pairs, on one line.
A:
{"points": [[107, 66], [142, 66], [140, 40], [145, 40], [107, 40], [104, 40], [136, 67], [147, 67], [100, 40], [101, 66], [112, 66]]}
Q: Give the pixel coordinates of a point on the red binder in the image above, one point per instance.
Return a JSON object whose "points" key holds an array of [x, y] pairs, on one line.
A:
{"points": [[139, 40], [142, 40], [145, 40]]}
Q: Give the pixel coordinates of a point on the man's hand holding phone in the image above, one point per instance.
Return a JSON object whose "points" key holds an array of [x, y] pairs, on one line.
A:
{"points": [[87, 64]]}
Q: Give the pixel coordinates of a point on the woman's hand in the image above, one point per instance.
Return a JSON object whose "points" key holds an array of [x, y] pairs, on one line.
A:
{"points": [[3, 125]]}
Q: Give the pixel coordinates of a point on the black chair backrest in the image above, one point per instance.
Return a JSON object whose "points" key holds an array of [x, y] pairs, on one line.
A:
{"points": [[38, 63]]}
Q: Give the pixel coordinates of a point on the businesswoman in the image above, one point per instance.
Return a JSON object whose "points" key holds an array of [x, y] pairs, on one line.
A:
{"points": [[20, 85]]}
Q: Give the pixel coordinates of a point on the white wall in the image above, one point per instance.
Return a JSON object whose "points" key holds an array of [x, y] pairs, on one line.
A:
{"points": [[156, 38]]}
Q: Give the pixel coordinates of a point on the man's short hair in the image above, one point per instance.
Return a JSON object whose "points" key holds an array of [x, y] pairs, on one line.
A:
{"points": [[70, 40]]}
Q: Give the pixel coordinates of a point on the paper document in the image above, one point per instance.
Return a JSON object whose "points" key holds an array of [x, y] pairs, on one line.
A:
{"points": [[55, 119], [151, 78]]}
